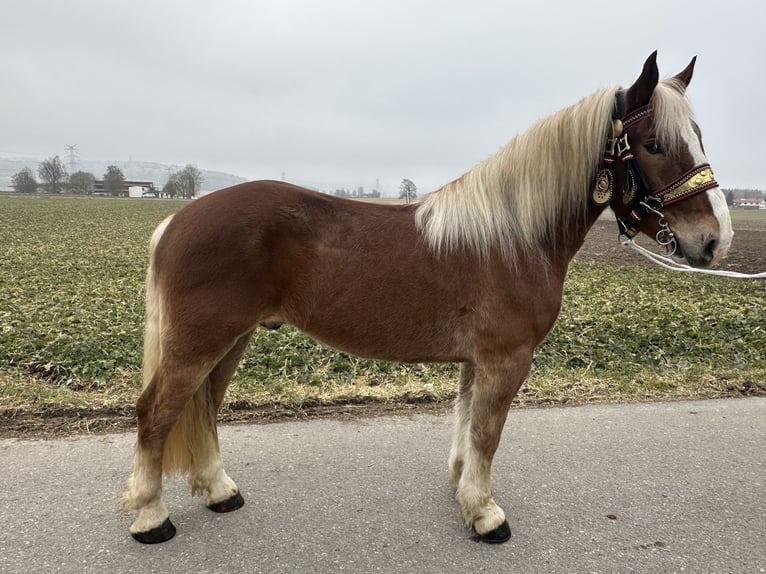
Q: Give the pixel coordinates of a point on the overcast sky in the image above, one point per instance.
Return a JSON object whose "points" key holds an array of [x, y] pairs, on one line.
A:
{"points": [[337, 93]]}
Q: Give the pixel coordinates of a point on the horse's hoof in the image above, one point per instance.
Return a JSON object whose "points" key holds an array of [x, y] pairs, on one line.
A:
{"points": [[161, 533], [497, 536], [229, 505]]}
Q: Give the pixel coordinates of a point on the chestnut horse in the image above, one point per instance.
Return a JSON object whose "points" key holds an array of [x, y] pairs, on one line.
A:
{"points": [[472, 274]]}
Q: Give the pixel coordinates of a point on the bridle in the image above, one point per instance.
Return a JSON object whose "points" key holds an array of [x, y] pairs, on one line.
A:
{"points": [[634, 189]]}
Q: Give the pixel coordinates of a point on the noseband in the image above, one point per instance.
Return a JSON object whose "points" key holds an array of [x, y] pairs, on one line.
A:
{"points": [[634, 190]]}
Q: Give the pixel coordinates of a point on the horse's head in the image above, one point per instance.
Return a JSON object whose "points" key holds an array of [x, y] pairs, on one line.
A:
{"points": [[668, 189]]}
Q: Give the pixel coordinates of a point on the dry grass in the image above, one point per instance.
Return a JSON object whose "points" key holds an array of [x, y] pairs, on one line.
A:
{"points": [[71, 315]]}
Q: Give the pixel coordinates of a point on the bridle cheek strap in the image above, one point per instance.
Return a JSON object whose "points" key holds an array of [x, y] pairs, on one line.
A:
{"points": [[691, 183]]}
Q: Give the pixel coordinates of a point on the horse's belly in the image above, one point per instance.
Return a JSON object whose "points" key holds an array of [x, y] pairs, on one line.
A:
{"points": [[389, 336]]}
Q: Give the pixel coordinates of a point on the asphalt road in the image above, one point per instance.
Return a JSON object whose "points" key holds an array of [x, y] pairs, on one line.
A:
{"points": [[660, 487]]}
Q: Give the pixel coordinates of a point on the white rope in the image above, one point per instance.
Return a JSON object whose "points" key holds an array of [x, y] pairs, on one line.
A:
{"points": [[669, 263]]}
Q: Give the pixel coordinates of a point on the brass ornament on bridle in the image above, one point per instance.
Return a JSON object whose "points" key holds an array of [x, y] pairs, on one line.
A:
{"points": [[617, 147], [630, 189], [603, 189]]}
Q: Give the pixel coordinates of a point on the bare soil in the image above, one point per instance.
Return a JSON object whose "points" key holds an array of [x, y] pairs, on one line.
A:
{"points": [[62, 422], [747, 256]]}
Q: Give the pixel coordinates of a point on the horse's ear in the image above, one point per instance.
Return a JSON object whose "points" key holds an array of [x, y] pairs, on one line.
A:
{"points": [[640, 92], [686, 75]]}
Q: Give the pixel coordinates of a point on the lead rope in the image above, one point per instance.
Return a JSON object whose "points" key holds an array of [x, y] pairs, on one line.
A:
{"points": [[672, 265]]}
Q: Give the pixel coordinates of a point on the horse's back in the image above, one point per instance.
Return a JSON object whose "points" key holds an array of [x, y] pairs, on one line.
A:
{"points": [[241, 224]]}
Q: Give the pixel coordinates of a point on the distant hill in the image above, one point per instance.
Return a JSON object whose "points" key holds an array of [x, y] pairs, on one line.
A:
{"points": [[135, 170]]}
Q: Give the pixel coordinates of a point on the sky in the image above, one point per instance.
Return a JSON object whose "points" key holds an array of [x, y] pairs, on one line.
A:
{"points": [[335, 93]]}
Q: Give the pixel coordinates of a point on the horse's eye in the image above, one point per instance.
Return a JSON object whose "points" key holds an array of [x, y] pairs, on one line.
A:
{"points": [[653, 148]]}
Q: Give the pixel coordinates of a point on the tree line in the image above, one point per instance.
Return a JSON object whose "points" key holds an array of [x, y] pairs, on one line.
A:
{"points": [[408, 191], [53, 178]]}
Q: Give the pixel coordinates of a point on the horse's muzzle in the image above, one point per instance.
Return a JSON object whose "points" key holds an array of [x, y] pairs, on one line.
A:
{"points": [[703, 253]]}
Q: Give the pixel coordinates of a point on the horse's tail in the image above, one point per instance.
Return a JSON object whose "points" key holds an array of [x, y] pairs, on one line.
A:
{"points": [[188, 445], [153, 328]]}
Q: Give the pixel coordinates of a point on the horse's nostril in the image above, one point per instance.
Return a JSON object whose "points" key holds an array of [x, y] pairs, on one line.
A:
{"points": [[710, 248]]}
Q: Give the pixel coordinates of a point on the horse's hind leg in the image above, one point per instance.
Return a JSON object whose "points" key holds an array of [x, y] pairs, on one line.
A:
{"points": [[494, 387], [208, 474], [158, 408]]}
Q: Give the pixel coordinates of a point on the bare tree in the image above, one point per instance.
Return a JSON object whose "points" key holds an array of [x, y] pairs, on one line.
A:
{"points": [[170, 188], [407, 190], [24, 181], [52, 173], [82, 182], [114, 181], [188, 181]]}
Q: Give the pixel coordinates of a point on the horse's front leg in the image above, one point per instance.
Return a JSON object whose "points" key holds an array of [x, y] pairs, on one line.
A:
{"points": [[462, 433], [495, 385]]}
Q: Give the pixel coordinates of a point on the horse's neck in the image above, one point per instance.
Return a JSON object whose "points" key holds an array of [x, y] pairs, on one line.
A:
{"points": [[578, 238], [560, 256]]}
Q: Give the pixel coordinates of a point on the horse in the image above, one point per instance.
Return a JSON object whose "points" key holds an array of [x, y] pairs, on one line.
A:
{"points": [[472, 273]]}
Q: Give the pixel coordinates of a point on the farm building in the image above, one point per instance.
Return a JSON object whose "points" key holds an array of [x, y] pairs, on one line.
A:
{"points": [[129, 188], [750, 203]]}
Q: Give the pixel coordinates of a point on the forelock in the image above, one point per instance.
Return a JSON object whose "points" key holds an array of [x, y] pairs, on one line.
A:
{"points": [[673, 116]]}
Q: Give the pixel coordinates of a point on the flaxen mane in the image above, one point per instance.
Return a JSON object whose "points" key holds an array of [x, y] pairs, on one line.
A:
{"points": [[518, 199]]}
